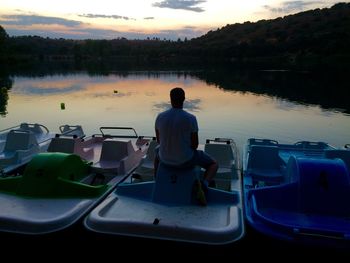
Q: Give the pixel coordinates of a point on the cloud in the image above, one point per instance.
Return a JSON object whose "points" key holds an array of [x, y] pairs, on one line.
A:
{"points": [[190, 5], [185, 32], [96, 33], [26, 20], [106, 16], [54, 27], [69, 33], [292, 6]]}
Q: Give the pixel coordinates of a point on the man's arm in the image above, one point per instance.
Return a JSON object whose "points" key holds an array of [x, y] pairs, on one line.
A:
{"points": [[194, 140], [157, 136]]}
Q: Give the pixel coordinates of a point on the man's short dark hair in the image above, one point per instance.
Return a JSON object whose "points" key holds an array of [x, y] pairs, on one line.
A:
{"points": [[177, 95]]}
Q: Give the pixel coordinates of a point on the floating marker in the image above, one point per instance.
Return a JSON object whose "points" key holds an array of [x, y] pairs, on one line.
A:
{"points": [[63, 106]]}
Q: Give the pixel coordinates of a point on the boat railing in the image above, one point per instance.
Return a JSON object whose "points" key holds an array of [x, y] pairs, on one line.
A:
{"points": [[32, 127], [35, 127], [27, 126], [7, 129]]}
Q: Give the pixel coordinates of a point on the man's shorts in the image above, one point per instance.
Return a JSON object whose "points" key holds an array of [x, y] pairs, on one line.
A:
{"points": [[200, 158]]}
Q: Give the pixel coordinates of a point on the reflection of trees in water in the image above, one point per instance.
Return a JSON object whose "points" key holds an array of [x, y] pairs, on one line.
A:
{"points": [[327, 89], [5, 86], [3, 101]]}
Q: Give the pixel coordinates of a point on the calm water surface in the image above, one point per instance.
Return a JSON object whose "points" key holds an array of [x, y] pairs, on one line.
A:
{"points": [[135, 100]]}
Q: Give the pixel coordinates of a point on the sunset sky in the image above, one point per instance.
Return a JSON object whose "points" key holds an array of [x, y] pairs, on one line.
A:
{"points": [[139, 19]]}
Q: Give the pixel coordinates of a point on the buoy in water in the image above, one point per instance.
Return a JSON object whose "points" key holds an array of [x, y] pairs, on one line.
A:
{"points": [[63, 106]]}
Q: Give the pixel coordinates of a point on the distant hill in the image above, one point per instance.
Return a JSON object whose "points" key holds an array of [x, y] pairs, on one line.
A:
{"points": [[311, 40]]}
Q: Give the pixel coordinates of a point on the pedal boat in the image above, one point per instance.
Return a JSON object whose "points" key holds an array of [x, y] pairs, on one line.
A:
{"points": [[167, 209], [298, 192]]}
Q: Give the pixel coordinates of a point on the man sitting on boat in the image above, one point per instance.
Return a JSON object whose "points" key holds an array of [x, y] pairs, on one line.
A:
{"points": [[177, 135]]}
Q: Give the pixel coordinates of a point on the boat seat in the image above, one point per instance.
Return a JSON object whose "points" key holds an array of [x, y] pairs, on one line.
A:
{"points": [[70, 145], [63, 145], [145, 171], [115, 150], [223, 154], [56, 175], [20, 145], [118, 156], [174, 185], [19, 140], [324, 186], [265, 164], [341, 154]]}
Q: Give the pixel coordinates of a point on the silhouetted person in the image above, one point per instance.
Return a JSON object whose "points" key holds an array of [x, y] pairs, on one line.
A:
{"points": [[177, 135]]}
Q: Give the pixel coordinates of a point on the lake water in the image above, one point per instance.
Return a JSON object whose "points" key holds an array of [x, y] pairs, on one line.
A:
{"points": [[135, 98]]}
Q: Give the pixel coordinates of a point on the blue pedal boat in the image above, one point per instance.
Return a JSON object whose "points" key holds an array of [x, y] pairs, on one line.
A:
{"points": [[297, 192]]}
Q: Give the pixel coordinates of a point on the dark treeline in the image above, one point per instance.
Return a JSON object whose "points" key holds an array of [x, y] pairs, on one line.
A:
{"points": [[5, 85], [311, 40]]}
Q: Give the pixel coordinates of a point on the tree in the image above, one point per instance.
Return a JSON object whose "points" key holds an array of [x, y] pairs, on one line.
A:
{"points": [[3, 37]]}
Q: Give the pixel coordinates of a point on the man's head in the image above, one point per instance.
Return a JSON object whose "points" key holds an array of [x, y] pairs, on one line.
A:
{"points": [[177, 97]]}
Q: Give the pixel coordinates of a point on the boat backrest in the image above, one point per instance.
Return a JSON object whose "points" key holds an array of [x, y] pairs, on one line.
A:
{"points": [[115, 150], [76, 131], [308, 145], [52, 175], [266, 142], [341, 154], [324, 186], [63, 145], [222, 153], [20, 140], [24, 126], [174, 186], [263, 157], [31, 127]]}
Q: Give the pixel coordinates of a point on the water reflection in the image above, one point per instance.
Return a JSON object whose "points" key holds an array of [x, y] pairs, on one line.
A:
{"points": [[191, 105], [236, 105], [327, 89], [3, 101]]}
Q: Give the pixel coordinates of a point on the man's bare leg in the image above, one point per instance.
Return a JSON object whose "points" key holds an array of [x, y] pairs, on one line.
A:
{"points": [[210, 172]]}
